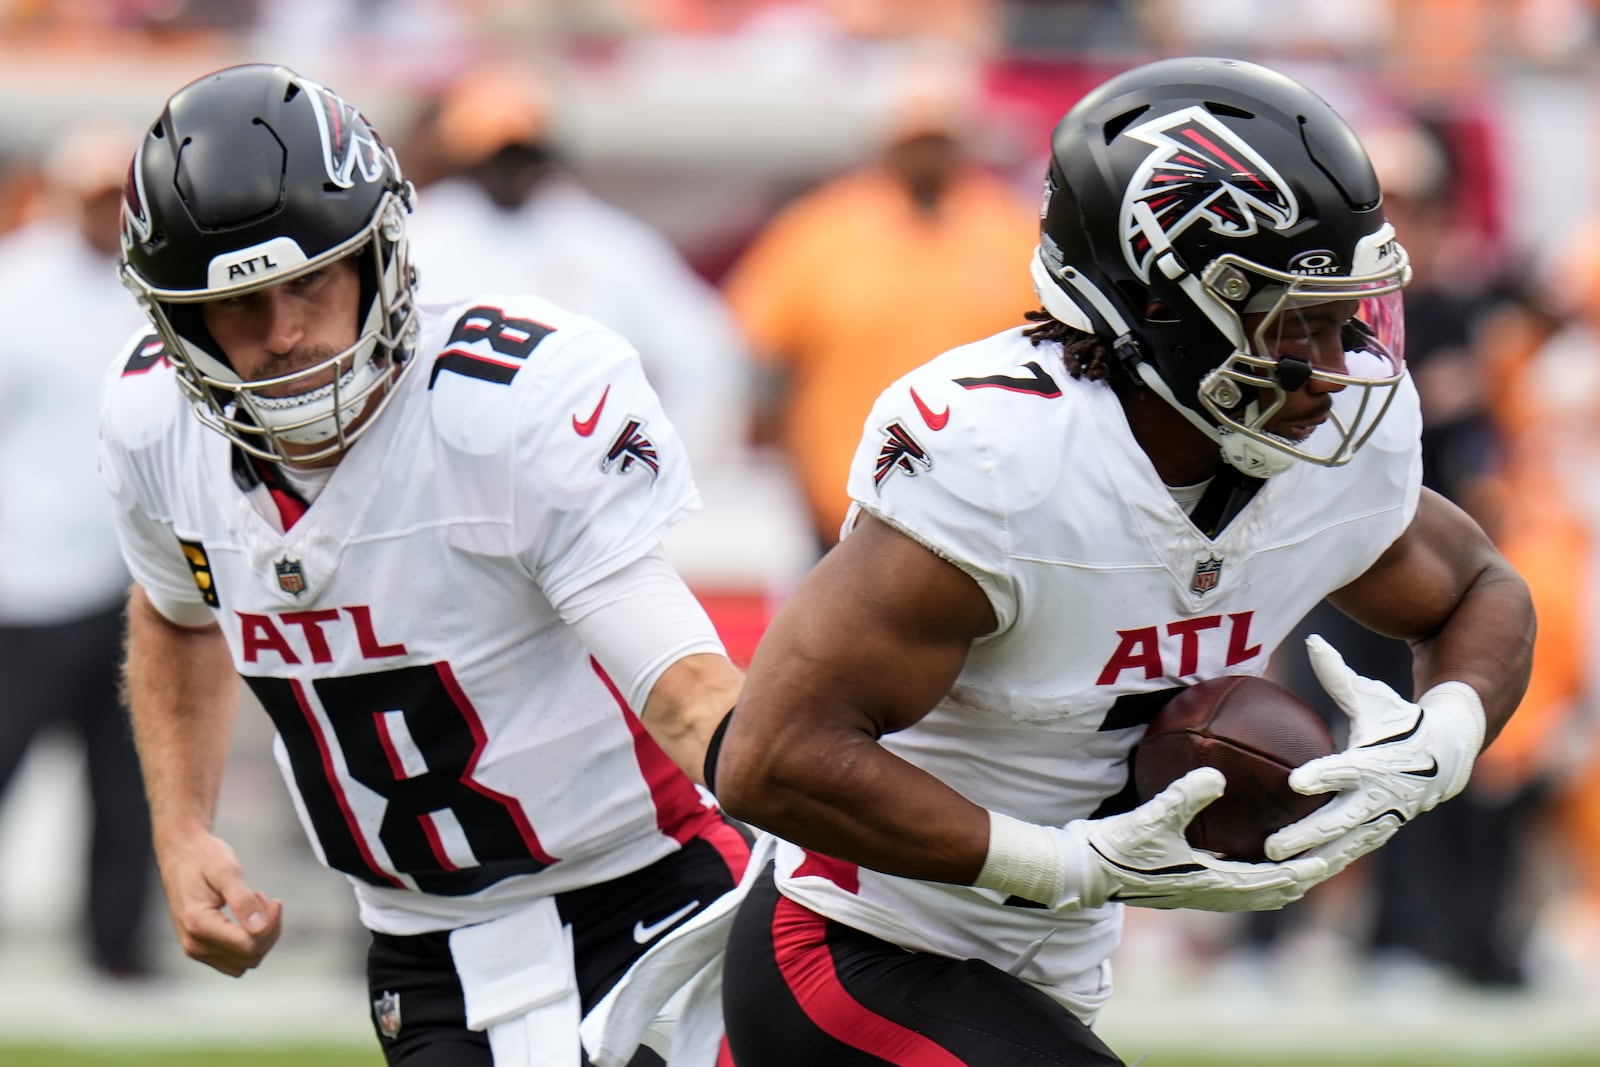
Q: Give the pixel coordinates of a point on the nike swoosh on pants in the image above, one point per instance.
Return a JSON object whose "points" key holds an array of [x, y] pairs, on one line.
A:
{"points": [[643, 933]]}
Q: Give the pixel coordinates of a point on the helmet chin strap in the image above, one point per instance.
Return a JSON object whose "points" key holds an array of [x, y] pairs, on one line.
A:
{"points": [[287, 419], [1244, 454], [1252, 457], [323, 415]]}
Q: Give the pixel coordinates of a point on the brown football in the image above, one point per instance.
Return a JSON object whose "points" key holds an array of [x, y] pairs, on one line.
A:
{"points": [[1252, 730]]}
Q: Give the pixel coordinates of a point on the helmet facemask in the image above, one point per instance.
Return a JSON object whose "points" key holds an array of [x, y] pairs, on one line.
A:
{"points": [[1296, 329], [269, 418]]}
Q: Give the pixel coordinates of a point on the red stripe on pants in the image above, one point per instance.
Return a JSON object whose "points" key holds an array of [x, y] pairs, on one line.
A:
{"points": [[800, 946]]}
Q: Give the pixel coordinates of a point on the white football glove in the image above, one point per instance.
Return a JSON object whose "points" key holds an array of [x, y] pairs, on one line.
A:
{"points": [[1403, 759], [1139, 857]]}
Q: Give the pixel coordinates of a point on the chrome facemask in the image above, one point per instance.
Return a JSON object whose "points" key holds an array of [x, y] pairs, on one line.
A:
{"points": [[321, 421], [1275, 357]]}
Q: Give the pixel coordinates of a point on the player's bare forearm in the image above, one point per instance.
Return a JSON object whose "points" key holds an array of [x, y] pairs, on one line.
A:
{"points": [[847, 796], [182, 694], [686, 704], [1487, 642], [866, 646], [1468, 615]]}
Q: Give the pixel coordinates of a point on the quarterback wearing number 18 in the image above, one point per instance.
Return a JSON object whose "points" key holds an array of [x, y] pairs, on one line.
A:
{"points": [[427, 537]]}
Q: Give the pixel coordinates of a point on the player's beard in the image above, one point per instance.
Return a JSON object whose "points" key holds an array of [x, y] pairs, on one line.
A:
{"points": [[298, 360]]}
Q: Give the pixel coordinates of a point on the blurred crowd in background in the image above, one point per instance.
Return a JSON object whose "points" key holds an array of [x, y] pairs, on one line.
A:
{"points": [[785, 204]]}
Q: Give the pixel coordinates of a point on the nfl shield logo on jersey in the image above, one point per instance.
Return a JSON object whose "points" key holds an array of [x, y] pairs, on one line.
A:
{"points": [[291, 579], [386, 1010], [1206, 574]]}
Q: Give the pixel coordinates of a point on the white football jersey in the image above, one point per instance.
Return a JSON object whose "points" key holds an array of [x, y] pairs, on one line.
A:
{"points": [[449, 743], [1107, 596]]}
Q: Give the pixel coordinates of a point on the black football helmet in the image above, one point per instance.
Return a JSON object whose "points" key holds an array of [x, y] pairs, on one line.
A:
{"points": [[1194, 209], [252, 176]]}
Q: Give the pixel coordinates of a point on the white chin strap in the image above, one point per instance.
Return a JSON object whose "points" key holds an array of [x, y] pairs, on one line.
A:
{"points": [[286, 417], [1255, 458], [1244, 454]]}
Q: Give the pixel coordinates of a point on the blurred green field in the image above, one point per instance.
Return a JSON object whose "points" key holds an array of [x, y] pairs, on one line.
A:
{"points": [[286, 1056], [345, 1056], [1406, 1059]]}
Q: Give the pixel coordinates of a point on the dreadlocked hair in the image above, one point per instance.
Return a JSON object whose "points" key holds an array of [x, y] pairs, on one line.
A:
{"points": [[1085, 355]]}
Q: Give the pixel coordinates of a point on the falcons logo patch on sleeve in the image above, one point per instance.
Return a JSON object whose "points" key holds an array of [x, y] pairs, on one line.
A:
{"points": [[631, 449], [900, 452]]}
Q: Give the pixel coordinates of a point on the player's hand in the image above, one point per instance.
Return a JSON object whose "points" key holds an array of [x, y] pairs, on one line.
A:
{"points": [[1142, 858], [1403, 759], [220, 920]]}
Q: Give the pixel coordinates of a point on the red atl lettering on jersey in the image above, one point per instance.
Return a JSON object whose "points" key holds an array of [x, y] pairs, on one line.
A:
{"points": [[1141, 649], [259, 634], [310, 623]]}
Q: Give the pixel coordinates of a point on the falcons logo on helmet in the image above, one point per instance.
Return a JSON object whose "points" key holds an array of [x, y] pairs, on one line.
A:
{"points": [[630, 449], [135, 216], [348, 143], [900, 452], [1200, 172]]}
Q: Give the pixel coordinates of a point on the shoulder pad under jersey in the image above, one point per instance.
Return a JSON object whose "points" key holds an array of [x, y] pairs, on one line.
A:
{"points": [[140, 396]]}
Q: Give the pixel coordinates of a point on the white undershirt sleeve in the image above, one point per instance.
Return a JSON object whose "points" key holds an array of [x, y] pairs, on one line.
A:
{"points": [[638, 621]]}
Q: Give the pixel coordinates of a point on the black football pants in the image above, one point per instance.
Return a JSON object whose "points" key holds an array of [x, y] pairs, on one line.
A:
{"points": [[432, 1010], [800, 990]]}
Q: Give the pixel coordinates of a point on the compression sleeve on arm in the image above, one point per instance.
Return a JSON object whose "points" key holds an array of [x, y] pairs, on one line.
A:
{"points": [[638, 621]]}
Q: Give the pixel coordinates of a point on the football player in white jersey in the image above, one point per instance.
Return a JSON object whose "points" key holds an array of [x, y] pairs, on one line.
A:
{"points": [[428, 539], [1206, 430]]}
